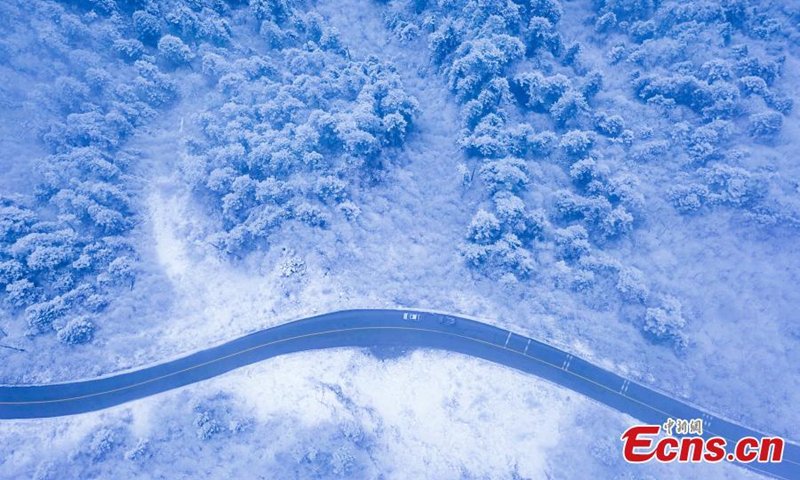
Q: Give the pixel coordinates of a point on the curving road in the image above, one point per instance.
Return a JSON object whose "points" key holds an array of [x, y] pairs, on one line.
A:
{"points": [[383, 329]]}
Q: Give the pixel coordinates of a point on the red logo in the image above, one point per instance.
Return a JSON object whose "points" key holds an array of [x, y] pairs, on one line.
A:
{"points": [[643, 443]]}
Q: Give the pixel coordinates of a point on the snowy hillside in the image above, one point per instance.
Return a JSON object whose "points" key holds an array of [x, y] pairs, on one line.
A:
{"points": [[618, 178]]}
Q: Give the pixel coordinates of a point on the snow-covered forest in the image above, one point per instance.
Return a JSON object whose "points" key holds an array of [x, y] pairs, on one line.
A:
{"points": [[615, 177]]}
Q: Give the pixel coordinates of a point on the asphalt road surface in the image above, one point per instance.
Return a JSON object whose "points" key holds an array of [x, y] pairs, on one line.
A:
{"points": [[385, 332]]}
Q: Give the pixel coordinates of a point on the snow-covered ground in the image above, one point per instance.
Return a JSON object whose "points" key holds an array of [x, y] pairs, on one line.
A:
{"points": [[429, 415], [343, 414]]}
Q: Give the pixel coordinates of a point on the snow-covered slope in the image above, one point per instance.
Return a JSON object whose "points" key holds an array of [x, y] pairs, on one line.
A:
{"points": [[617, 178]]}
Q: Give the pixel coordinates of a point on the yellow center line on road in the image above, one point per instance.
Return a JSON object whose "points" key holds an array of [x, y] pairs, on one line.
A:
{"points": [[343, 330]]}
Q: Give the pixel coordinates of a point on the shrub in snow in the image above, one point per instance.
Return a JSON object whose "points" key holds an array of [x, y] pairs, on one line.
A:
{"points": [[464, 173], [443, 42], [484, 228], [231, 83], [473, 111], [581, 280], [121, 269], [702, 142], [494, 96], [752, 85], [592, 84], [717, 70], [102, 206], [569, 107], [733, 186], [504, 255], [239, 199], [404, 30], [90, 163], [153, 87], [530, 226], [616, 53], [277, 11], [511, 213], [70, 93], [628, 10], [14, 221], [20, 293], [55, 246], [609, 125], [207, 425], [752, 66], [331, 189], [173, 50], [342, 461], [509, 173], [616, 223], [541, 34], [220, 180], [183, 20], [699, 12], [76, 331], [213, 65], [214, 29], [642, 30], [487, 139], [254, 67], [273, 34], [549, 9], [688, 198], [523, 139], [666, 324], [542, 143], [273, 191], [395, 126], [682, 89], [631, 285], [140, 452], [82, 191], [41, 316], [45, 258], [101, 443], [478, 14], [95, 303], [82, 130], [356, 141], [129, 50], [569, 206], [478, 61], [584, 171], [10, 271], [537, 91], [724, 102], [331, 40], [577, 143], [146, 25], [779, 102], [765, 125], [572, 242], [47, 470], [653, 150], [571, 56], [310, 214], [605, 22], [350, 210], [293, 266]]}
